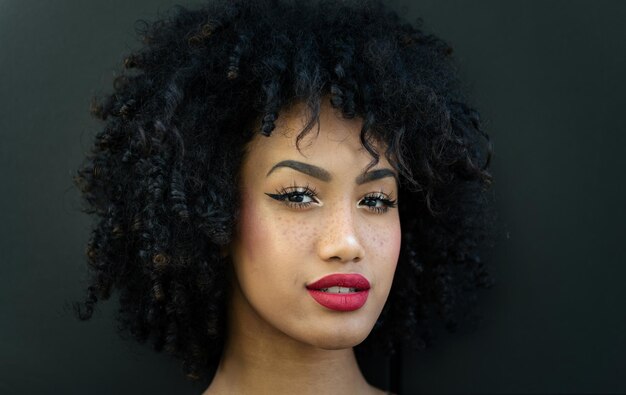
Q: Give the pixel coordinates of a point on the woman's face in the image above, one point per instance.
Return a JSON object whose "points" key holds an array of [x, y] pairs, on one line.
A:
{"points": [[307, 214]]}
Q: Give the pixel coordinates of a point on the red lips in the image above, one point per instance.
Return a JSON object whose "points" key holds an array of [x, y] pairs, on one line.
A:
{"points": [[348, 301], [341, 280]]}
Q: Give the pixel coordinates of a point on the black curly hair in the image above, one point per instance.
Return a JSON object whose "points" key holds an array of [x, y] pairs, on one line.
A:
{"points": [[161, 178]]}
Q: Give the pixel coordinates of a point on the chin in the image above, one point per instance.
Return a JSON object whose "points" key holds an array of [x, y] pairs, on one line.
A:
{"points": [[340, 338]]}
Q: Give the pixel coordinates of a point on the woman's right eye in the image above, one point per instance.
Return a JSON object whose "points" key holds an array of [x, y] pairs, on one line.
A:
{"points": [[296, 197]]}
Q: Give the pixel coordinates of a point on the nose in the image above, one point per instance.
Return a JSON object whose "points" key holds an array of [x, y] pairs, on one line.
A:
{"points": [[340, 239]]}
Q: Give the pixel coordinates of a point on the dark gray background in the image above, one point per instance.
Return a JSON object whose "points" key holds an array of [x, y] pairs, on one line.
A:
{"points": [[548, 77]]}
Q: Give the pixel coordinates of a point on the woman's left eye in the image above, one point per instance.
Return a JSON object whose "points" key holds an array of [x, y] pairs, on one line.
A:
{"points": [[378, 202]]}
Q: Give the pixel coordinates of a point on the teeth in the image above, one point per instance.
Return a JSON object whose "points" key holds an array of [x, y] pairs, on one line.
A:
{"points": [[338, 290]]}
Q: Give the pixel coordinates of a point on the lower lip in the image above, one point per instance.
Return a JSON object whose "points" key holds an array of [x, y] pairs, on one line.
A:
{"points": [[340, 302]]}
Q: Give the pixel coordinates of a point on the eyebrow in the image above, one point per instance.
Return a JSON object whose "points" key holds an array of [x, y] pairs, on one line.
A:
{"points": [[324, 175]]}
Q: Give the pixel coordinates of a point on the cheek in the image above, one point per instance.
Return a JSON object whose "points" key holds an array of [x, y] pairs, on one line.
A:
{"points": [[250, 230], [388, 241], [395, 240], [270, 244], [384, 244]]}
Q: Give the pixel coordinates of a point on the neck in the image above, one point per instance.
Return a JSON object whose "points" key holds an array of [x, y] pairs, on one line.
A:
{"points": [[258, 358]]}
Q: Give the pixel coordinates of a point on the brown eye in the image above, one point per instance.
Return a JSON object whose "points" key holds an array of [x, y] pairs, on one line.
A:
{"points": [[378, 202], [296, 197], [299, 198]]}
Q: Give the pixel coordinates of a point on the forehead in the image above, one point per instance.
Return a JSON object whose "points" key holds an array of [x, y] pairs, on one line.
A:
{"points": [[332, 140]]}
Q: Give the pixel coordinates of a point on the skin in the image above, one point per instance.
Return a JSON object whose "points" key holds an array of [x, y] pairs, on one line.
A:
{"points": [[281, 341]]}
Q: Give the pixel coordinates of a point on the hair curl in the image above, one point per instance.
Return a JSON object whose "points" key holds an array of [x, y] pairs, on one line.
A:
{"points": [[161, 176]]}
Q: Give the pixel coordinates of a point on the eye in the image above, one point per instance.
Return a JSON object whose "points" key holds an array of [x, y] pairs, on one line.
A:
{"points": [[378, 202], [295, 196]]}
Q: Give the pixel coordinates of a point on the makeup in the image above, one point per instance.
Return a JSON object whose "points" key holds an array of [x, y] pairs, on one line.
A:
{"points": [[340, 292], [314, 251]]}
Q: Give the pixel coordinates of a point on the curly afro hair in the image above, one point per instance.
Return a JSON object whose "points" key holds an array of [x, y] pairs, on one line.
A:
{"points": [[161, 178]]}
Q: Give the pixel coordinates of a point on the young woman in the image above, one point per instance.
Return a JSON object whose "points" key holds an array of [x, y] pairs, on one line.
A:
{"points": [[278, 182]]}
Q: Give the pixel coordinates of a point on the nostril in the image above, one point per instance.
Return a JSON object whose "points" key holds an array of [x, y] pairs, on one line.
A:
{"points": [[346, 248]]}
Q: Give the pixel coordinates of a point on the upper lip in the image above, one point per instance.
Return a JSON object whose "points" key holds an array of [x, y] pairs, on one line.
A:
{"points": [[349, 280]]}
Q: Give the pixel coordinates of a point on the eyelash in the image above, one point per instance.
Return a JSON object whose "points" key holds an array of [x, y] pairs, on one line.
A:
{"points": [[284, 194]]}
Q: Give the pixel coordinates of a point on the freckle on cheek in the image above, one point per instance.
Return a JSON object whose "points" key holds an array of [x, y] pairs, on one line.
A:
{"points": [[291, 233], [294, 230]]}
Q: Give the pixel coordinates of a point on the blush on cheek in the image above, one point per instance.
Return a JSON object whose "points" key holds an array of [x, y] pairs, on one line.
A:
{"points": [[295, 232], [390, 243], [385, 241], [396, 240], [251, 228]]}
